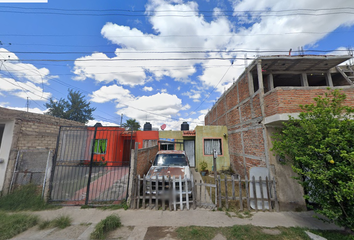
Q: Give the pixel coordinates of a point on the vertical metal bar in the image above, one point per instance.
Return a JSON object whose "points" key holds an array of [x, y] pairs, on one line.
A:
{"points": [[90, 171], [45, 174], [180, 193], [150, 196], [157, 192], [54, 160], [170, 192], [174, 192], [130, 153], [262, 196], [163, 193], [194, 194], [13, 175]]}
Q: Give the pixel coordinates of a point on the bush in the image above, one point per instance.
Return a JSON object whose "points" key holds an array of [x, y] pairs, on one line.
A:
{"points": [[320, 146], [104, 226]]}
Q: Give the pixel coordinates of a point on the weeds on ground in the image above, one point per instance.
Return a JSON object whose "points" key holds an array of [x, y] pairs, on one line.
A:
{"points": [[13, 224], [104, 226], [248, 232], [122, 205], [59, 222], [24, 198]]}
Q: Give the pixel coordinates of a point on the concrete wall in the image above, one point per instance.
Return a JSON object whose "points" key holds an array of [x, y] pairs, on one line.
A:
{"points": [[29, 131], [212, 132]]}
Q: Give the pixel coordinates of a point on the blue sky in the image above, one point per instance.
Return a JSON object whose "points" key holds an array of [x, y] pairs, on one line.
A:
{"points": [[158, 61]]}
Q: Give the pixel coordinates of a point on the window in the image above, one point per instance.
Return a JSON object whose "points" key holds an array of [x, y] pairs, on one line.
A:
{"points": [[210, 145], [100, 146], [167, 146]]}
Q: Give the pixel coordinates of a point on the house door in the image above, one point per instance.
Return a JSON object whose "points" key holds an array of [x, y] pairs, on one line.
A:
{"points": [[190, 151]]}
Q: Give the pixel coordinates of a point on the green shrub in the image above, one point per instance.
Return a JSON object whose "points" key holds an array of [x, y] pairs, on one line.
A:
{"points": [[26, 197], [59, 222], [320, 146], [104, 226]]}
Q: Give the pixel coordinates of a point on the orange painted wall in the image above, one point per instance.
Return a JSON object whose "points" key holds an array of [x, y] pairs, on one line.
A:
{"points": [[114, 149], [146, 135]]}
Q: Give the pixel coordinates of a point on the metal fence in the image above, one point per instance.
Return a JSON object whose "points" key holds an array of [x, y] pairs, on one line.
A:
{"points": [[91, 165], [31, 167], [175, 193]]}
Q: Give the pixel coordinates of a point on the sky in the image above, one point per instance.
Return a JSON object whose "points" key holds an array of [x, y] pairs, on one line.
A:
{"points": [[163, 62]]}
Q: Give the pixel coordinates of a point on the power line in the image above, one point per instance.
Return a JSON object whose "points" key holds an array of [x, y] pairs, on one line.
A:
{"points": [[172, 52], [242, 14]]}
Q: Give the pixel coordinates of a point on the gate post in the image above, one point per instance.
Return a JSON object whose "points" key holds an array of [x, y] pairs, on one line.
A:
{"points": [[91, 164]]}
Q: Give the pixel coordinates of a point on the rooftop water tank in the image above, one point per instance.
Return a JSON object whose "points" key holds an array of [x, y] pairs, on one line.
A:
{"points": [[184, 126], [147, 126]]}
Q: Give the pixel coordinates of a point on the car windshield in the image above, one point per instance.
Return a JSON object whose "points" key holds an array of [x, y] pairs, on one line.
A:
{"points": [[170, 160]]}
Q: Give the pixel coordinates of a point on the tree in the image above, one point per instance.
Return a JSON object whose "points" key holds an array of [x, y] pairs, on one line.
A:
{"points": [[320, 147], [132, 125], [75, 108]]}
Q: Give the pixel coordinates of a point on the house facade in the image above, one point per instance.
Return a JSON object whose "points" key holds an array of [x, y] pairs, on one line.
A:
{"points": [[199, 144], [270, 89], [21, 130]]}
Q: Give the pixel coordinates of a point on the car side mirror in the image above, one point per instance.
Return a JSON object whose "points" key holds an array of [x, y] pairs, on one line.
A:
{"points": [[150, 161]]}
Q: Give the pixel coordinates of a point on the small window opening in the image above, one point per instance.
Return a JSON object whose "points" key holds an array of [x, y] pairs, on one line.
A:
{"points": [[315, 80], [286, 80], [338, 80]]}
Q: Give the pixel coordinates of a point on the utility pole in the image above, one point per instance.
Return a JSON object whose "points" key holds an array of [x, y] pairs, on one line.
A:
{"points": [[121, 119], [27, 104]]}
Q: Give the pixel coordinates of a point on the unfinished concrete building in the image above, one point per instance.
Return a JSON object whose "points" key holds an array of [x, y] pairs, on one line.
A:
{"points": [[270, 89]]}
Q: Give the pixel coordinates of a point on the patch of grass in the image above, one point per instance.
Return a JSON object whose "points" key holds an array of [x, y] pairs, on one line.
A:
{"points": [[104, 226], [59, 222], [13, 224], [250, 232], [24, 198]]}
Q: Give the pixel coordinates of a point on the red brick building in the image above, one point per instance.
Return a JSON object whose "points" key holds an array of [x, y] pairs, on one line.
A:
{"points": [[270, 89]]}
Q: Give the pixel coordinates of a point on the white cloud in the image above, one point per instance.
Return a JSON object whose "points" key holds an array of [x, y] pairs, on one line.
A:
{"points": [[193, 94], [32, 110], [109, 93], [147, 89], [186, 107], [21, 79], [163, 90], [23, 71], [22, 89], [93, 122]]}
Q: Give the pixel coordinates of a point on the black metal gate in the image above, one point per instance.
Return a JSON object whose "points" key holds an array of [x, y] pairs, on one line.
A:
{"points": [[90, 165]]}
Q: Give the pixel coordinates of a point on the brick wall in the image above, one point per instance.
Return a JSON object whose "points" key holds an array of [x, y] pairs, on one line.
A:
{"points": [[144, 156], [242, 114], [287, 100]]}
